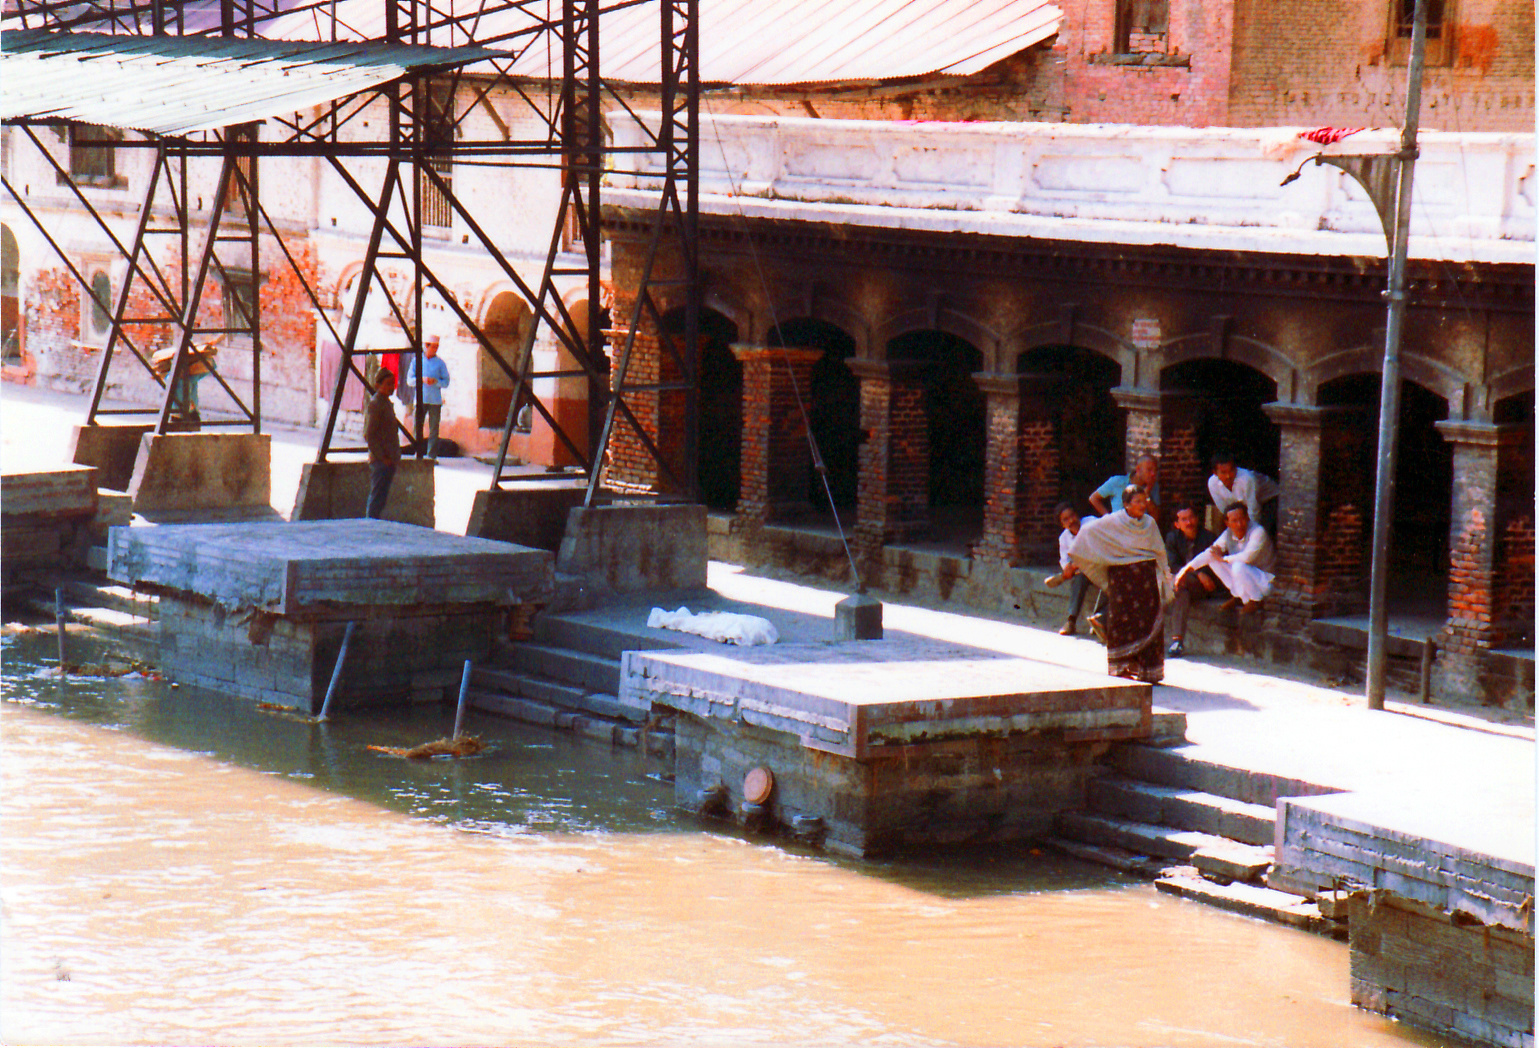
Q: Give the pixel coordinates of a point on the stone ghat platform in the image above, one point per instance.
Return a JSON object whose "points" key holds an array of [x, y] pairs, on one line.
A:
{"points": [[1441, 902], [873, 746], [260, 609]]}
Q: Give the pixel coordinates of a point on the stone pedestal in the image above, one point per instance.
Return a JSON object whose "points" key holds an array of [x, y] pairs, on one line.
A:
{"points": [[111, 449], [340, 490], [776, 459], [195, 472], [532, 515], [894, 489]]}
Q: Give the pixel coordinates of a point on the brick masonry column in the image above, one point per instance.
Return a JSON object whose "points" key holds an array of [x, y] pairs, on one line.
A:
{"points": [[1321, 514], [893, 493], [1164, 424], [1021, 470], [1491, 546], [776, 462]]}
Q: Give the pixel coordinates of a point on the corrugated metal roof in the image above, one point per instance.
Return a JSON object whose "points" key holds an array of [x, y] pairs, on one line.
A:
{"points": [[751, 41], [174, 85]]}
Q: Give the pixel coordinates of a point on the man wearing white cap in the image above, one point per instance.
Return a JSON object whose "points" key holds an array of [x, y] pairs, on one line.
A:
{"points": [[435, 379]]}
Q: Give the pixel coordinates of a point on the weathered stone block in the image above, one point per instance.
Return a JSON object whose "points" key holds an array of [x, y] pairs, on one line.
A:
{"points": [[177, 472]]}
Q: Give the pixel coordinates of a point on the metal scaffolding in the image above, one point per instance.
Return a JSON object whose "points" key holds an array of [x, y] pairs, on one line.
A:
{"points": [[452, 51]]}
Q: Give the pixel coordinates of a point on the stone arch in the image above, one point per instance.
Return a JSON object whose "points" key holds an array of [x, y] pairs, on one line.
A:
{"points": [[1446, 382], [10, 298], [1511, 383], [1079, 335], [725, 302], [1227, 413], [833, 405], [505, 319], [983, 339], [1254, 354], [826, 309]]}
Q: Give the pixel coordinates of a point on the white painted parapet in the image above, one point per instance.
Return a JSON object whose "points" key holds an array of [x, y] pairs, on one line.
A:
{"points": [[1215, 188]]}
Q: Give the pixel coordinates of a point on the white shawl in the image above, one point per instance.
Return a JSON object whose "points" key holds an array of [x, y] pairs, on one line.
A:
{"points": [[1119, 539]]}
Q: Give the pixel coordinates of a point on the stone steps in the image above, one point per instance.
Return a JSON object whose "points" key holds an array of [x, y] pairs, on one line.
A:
{"points": [[1179, 768], [1251, 900], [1184, 808], [589, 638], [1140, 838], [553, 687]]}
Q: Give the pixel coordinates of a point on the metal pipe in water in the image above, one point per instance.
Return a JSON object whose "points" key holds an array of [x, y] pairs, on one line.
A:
{"points": [[459, 713], [336, 672]]}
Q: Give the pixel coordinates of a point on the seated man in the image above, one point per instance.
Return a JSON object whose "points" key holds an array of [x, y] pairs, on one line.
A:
{"points": [[1107, 498], [1231, 483], [1070, 521], [1242, 558], [1183, 543]]}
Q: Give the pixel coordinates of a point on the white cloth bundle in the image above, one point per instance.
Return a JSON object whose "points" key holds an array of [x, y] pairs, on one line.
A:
{"points": [[724, 626]]}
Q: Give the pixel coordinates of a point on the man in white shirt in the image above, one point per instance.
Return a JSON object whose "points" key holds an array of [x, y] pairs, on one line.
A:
{"points": [[1242, 558], [1070, 521], [1231, 483]]}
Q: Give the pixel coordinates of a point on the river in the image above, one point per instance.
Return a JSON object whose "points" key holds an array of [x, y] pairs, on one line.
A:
{"points": [[180, 868]]}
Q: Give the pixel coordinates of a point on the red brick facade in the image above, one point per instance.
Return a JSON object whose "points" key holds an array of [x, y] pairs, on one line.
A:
{"points": [[775, 458]]}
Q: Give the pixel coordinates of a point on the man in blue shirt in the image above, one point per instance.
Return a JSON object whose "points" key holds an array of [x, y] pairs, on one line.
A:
{"points": [[1107, 498], [435, 378]]}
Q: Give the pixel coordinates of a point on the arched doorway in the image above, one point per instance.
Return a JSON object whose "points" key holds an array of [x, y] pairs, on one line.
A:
{"points": [[10, 298], [506, 325], [1418, 536], [1228, 400], [1089, 427], [833, 407], [719, 413], [956, 420]]}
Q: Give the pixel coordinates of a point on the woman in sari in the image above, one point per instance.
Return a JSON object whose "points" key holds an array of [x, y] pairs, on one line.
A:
{"points": [[1122, 554]]}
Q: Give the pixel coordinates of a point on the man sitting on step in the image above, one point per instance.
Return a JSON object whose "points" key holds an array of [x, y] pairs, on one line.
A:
{"points": [[1184, 543], [1242, 558]]}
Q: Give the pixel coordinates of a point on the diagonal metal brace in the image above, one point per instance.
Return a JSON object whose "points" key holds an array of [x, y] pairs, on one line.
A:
{"points": [[1379, 175]]}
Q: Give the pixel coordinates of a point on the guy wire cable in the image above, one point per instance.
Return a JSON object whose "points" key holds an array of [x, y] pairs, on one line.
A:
{"points": [[817, 456]]}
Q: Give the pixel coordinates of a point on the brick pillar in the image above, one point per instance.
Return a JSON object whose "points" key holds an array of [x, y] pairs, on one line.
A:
{"points": [[1021, 476], [1321, 513], [1491, 551], [776, 463], [893, 499], [1164, 424]]}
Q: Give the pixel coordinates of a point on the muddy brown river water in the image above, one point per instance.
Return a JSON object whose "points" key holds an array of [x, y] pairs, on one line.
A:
{"points": [[179, 868]]}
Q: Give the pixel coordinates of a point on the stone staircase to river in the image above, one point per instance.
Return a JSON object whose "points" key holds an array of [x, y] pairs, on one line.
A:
{"points": [[1201, 829], [567, 676]]}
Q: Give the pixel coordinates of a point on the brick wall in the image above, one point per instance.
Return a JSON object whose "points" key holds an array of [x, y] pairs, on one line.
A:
{"points": [[893, 494], [1317, 63]]}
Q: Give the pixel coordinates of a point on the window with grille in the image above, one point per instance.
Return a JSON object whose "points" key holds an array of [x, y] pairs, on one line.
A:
{"points": [[438, 131], [92, 155], [1402, 19]]}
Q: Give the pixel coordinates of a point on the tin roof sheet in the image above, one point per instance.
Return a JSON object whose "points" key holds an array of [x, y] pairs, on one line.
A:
{"points": [[762, 42], [175, 85]]}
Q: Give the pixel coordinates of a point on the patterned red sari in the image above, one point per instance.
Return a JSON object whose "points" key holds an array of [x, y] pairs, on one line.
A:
{"points": [[1135, 622]]}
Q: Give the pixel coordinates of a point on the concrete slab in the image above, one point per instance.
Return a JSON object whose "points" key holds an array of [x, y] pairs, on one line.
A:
{"points": [[64, 491], [288, 568], [850, 698]]}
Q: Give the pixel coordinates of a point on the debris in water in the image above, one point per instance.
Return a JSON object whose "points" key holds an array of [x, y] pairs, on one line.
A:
{"points": [[460, 746], [132, 669]]}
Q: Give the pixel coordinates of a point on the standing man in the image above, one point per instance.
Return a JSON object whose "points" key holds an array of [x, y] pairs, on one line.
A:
{"points": [[1231, 483], [1183, 544], [1242, 558], [435, 379], [384, 447], [1107, 498]]}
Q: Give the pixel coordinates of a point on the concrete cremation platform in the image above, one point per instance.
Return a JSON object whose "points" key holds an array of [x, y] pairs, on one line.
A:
{"points": [[877, 745], [1442, 906], [260, 609]]}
